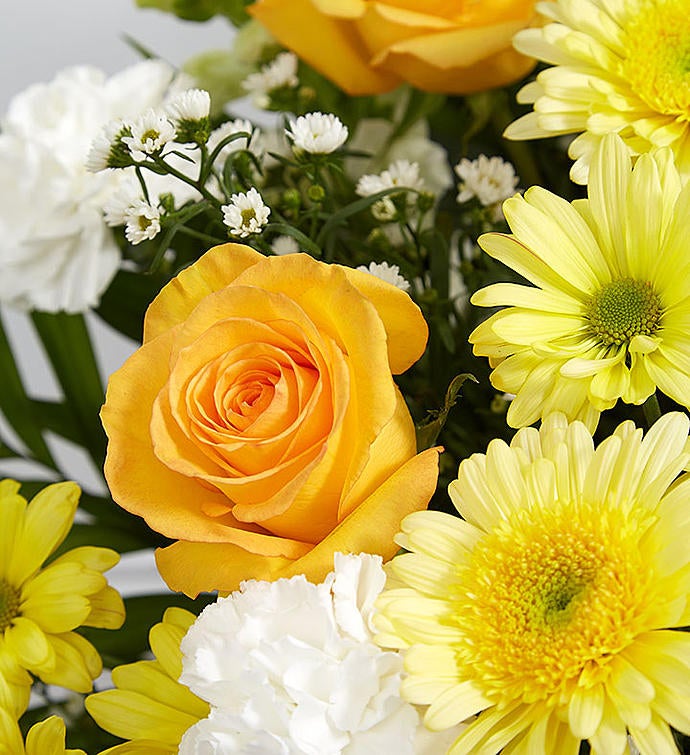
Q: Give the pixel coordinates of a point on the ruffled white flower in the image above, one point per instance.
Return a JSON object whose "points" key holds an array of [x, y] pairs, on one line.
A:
{"points": [[402, 173], [190, 105], [490, 179], [317, 133], [143, 222], [151, 131], [290, 668], [279, 73], [246, 214], [284, 245], [56, 252], [386, 272]]}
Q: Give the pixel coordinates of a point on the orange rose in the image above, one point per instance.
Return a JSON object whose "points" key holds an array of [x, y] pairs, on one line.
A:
{"points": [[259, 423], [372, 46]]}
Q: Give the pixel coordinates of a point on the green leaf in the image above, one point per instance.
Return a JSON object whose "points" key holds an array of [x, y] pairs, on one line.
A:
{"points": [[18, 408], [68, 345], [428, 432], [306, 244], [131, 641], [126, 300], [359, 205]]}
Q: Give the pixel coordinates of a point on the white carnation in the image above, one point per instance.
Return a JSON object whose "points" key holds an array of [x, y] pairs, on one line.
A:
{"points": [[290, 668], [56, 251]]}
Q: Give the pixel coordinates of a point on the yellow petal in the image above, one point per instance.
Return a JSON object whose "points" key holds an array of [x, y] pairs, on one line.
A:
{"points": [[48, 519], [29, 645], [211, 272], [77, 663], [196, 567], [131, 715], [331, 45], [107, 609]]}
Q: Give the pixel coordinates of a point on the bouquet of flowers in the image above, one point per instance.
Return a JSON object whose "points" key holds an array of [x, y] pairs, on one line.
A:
{"points": [[406, 421]]}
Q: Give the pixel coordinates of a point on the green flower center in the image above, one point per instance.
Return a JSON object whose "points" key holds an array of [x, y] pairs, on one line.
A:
{"points": [[248, 215], [10, 599], [657, 65], [623, 309]]}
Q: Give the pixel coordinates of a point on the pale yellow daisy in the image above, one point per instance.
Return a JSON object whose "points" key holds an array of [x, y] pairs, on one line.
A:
{"points": [[607, 316], [44, 738], [551, 609], [619, 66], [40, 606], [149, 706]]}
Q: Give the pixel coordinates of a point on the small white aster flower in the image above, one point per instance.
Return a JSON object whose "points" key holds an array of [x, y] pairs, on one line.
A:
{"points": [[230, 128], [150, 133], [386, 272], [285, 245], [280, 72], [103, 147], [490, 179], [401, 173], [384, 210], [143, 222], [246, 213], [317, 133], [190, 105]]}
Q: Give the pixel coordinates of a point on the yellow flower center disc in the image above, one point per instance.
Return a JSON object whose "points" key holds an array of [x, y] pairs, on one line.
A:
{"points": [[657, 64], [9, 604], [549, 598]]}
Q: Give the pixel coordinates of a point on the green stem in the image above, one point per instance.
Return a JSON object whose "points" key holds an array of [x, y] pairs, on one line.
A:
{"points": [[651, 410]]}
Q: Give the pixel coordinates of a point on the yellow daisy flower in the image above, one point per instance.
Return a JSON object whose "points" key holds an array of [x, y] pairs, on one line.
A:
{"points": [[550, 610], [618, 67], [40, 607], [150, 707], [608, 313], [46, 737]]}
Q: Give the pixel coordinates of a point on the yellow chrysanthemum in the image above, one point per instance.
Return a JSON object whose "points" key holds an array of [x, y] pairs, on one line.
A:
{"points": [[44, 738], [39, 607], [608, 314], [619, 67], [150, 707], [550, 609]]}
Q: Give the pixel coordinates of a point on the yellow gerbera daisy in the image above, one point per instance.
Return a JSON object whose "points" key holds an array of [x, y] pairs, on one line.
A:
{"points": [[619, 67], [39, 607], [550, 609], [150, 707], [46, 737], [608, 314]]}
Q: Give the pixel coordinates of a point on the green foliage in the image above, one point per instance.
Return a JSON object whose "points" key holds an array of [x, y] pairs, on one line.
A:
{"points": [[202, 10]]}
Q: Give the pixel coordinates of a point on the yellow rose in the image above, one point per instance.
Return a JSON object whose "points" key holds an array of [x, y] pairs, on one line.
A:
{"points": [[372, 46], [259, 424]]}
